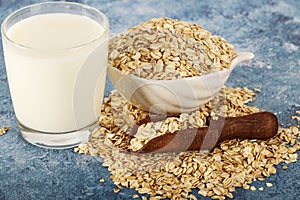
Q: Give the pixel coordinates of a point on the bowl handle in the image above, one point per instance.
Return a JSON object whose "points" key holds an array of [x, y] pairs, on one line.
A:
{"points": [[241, 57]]}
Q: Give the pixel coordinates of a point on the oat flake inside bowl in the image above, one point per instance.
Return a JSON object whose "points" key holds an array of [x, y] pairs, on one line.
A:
{"points": [[167, 65], [165, 49]]}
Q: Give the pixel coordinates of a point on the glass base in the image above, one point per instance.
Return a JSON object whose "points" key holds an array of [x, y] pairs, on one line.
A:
{"points": [[63, 140]]}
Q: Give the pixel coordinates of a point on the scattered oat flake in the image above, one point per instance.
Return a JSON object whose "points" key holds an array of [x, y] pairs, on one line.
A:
{"points": [[102, 180], [269, 184], [116, 190], [284, 167], [253, 188], [3, 130], [246, 187], [261, 188], [256, 89], [192, 197], [135, 196], [155, 198], [269, 67]]}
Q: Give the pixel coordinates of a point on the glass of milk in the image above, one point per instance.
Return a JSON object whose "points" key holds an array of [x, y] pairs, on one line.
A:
{"points": [[56, 58]]}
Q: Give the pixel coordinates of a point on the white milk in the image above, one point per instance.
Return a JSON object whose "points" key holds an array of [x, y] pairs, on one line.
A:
{"points": [[54, 86]]}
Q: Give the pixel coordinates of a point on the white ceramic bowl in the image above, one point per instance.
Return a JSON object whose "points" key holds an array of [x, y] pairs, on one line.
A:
{"points": [[172, 96]]}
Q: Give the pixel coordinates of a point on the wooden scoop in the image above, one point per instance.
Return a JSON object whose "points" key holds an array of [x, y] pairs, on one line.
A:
{"points": [[262, 125]]}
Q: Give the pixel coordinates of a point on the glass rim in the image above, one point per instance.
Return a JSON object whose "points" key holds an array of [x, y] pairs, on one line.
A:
{"points": [[22, 46]]}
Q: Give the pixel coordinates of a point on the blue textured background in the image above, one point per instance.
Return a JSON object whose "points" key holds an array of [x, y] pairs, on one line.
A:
{"points": [[269, 29]]}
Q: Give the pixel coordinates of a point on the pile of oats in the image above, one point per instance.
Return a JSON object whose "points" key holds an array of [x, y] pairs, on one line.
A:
{"points": [[164, 49], [234, 163], [123, 116]]}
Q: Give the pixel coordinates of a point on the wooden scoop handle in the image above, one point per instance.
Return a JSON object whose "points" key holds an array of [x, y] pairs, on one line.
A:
{"points": [[263, 125]]}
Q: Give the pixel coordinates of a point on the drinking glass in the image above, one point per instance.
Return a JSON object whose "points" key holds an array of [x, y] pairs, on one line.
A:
{"points": [[56, 90]]}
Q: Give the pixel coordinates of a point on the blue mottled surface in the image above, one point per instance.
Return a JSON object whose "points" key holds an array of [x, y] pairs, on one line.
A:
{"points": [[269, 29]]}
